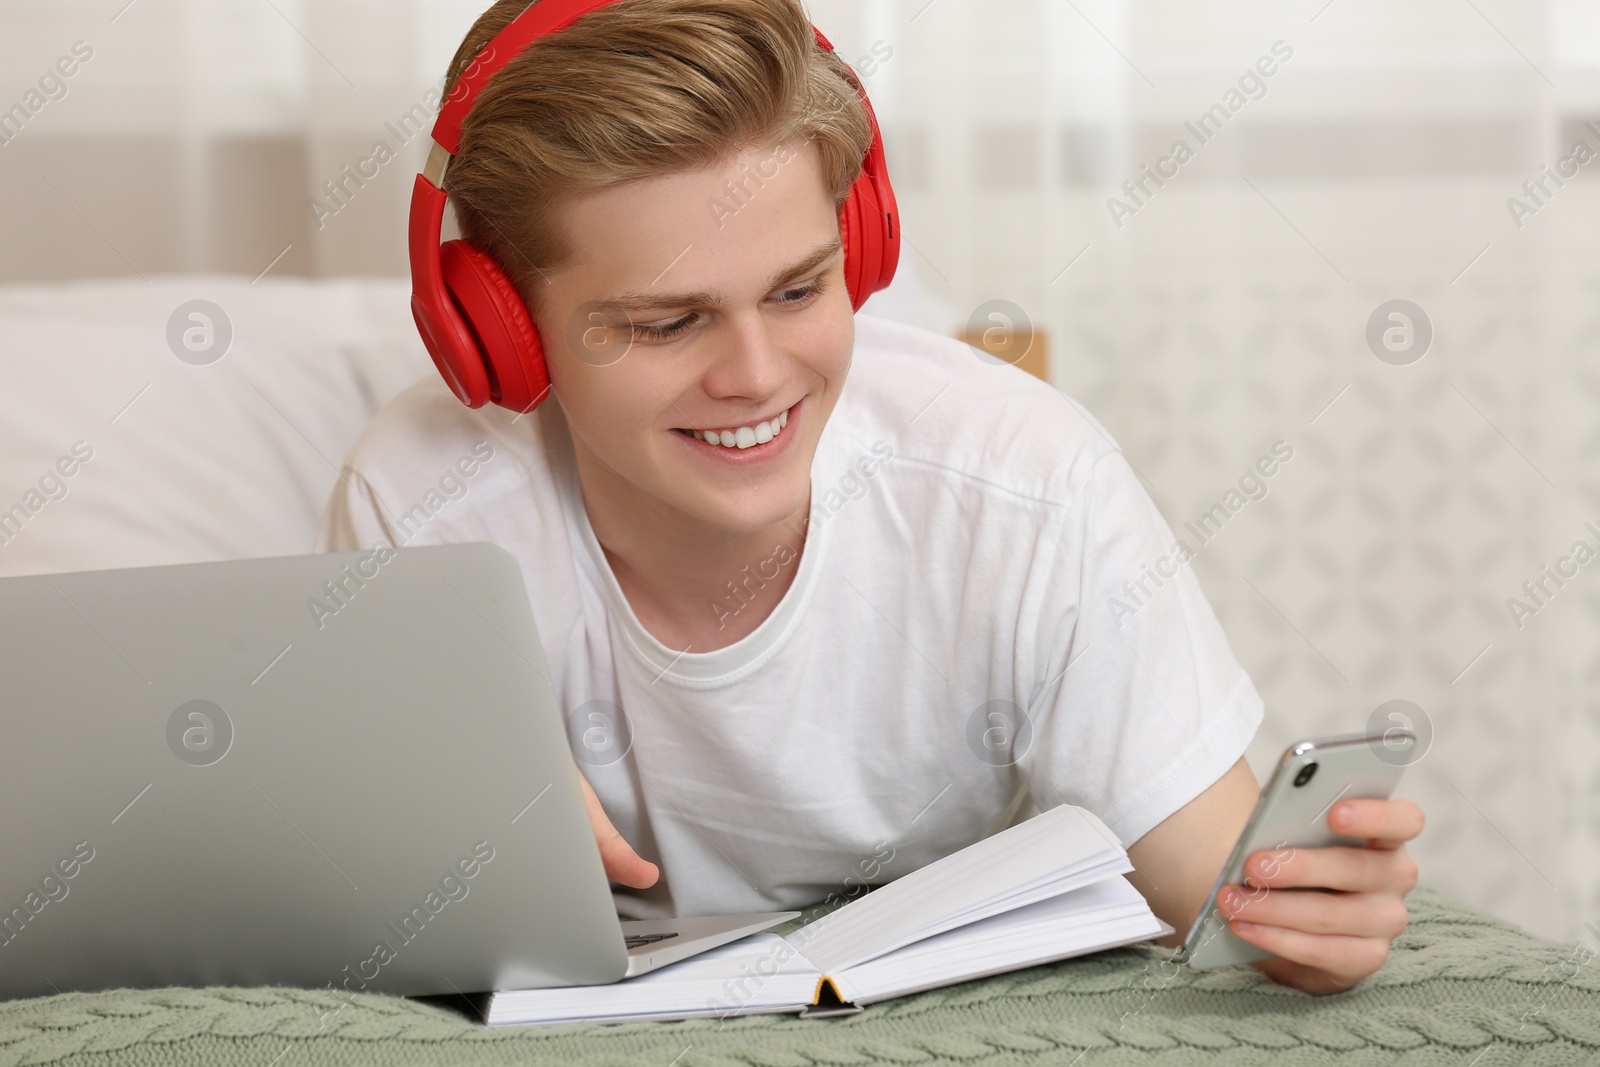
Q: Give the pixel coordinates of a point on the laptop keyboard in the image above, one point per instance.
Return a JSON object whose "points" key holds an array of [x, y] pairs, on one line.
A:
{"points": [[641, 940]]}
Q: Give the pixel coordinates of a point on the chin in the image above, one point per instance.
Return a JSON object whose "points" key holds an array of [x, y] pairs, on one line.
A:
{"points": [[747, 515]]}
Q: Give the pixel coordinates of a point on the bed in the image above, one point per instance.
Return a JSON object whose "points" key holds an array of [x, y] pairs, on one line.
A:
{"points": [[1460, 988]]}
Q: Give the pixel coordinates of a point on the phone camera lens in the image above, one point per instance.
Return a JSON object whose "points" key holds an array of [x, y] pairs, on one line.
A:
{"points": [[1305, 775]]}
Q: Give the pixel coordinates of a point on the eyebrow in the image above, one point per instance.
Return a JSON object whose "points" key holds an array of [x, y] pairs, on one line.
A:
{"points": [[643, 300]]}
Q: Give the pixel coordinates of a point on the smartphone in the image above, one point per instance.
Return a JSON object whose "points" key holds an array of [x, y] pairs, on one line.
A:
{"points": [[1293, 813]]}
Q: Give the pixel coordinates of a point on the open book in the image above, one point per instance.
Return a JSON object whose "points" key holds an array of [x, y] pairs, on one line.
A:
{"points": [[1043, 890]]}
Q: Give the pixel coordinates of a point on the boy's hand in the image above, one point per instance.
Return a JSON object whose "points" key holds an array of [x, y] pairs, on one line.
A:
{"points": [[1329, 913], [622, 863]]}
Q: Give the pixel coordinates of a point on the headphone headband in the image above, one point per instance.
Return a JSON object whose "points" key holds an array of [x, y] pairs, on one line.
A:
{"points": [[539, 19]]}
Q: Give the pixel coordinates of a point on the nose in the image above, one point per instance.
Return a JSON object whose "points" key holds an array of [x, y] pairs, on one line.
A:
{"points": [[746, 362]]}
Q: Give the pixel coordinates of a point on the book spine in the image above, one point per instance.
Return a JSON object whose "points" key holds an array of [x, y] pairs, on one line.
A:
{"points": [[827, 1003]]}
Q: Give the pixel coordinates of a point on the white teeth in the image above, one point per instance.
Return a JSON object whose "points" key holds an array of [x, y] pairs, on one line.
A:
{"points": [[745, 436]]}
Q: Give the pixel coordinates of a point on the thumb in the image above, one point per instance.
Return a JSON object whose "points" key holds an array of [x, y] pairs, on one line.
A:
{"points": [[621, 862]]}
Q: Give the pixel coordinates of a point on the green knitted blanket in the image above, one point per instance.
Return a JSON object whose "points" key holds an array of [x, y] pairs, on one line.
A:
{"points": [[1460, 988]]}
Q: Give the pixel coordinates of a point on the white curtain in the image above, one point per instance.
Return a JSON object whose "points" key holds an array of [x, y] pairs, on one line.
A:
{"points": [[1203, 320]]}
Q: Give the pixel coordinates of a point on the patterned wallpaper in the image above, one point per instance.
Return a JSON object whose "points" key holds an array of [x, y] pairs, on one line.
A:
{"points": [[1381, 561]]}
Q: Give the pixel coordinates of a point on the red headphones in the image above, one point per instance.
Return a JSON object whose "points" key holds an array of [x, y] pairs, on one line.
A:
{"points": [[469, 314]]}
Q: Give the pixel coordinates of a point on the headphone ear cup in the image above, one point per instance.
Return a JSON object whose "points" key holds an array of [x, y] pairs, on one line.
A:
{"points": [[869, 241], [847, 240], [507, 341], [886, 227]]}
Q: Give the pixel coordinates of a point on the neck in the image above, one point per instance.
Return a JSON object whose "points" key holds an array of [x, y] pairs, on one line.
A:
{"points": [[694, 586]]}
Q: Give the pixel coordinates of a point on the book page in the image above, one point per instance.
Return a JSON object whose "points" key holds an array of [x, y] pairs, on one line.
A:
{"points": [[1054, 851], [1106, 914], [761, 972]]}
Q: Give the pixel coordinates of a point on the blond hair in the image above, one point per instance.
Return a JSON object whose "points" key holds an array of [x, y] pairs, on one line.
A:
{"points": [[638, 89]]}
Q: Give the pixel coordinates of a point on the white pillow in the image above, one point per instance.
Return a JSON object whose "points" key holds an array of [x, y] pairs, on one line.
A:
{"points": [[186, 462]]}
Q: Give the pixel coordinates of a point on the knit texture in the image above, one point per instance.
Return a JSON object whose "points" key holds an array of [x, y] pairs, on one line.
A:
{"points": [[1460, 988]]}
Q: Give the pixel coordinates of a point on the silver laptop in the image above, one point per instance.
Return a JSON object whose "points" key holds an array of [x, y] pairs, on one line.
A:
{"points": [[320, 771]]}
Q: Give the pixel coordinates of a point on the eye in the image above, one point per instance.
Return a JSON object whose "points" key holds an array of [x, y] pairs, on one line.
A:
{"points": [[663, 331], [801, 293]]}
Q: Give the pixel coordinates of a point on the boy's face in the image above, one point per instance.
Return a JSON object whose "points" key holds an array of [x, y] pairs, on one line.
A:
{"points": [[739, 317]]}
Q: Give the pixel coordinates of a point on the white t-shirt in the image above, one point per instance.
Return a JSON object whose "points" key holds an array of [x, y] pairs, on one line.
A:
{"points": [[946, 658]]}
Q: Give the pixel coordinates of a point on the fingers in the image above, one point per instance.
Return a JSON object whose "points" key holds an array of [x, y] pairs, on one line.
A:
{"points": [[1380, 915], [1352, 870], [621, 862], [1328, 941], [1317, 963], [1384, 823]]}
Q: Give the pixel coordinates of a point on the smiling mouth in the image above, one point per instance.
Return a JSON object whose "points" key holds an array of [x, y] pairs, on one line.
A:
{"points": [[740, 437]]}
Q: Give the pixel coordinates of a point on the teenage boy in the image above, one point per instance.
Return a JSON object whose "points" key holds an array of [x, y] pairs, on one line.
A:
{"points": [[833, 590]]}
